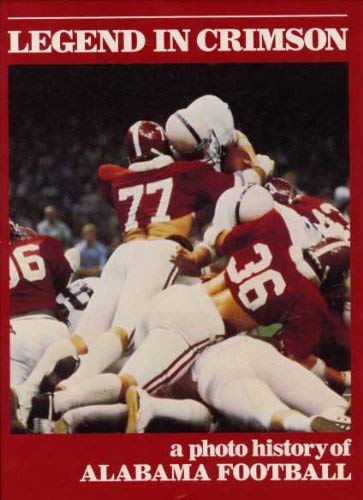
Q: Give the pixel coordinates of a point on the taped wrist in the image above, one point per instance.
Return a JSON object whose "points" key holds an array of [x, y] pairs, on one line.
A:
{"points": [[211, 235], [265, 163]]}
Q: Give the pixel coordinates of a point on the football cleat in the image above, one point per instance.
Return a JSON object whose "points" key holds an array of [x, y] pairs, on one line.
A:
{"points": [[339, 424], [42, 407], [63, 369], [139, 410]]}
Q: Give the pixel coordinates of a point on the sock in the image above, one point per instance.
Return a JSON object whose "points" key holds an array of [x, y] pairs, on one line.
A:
{"points": [[319, 369], [111, 415], [102, 353], [295, 421], [347, 377], [45, 365], [101, 389], [186, 410]]}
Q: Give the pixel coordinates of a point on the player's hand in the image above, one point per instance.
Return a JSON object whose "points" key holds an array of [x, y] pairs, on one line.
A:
{"points": [[185, 261], [266, 164]]}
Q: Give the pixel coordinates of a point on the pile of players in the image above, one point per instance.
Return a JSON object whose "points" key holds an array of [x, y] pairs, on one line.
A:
{"points": [[213, 248]]}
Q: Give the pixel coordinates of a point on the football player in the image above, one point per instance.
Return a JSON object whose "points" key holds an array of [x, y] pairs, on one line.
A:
{"points": [[261, 286], [330, 222], [302, 232], [39, 270], [208, 125], [328, 219], [155, 199], [250, 383]]}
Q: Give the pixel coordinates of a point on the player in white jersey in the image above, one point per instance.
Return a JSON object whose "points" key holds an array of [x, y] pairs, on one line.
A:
{"points": [[211, 119], [74, 300], [302, 232], [186, 320]]}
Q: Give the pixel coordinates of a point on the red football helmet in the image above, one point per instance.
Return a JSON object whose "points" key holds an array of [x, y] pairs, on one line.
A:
{"points": [[27, 232], [282, 191], [330, 259], [17, 232], [144, 140]]}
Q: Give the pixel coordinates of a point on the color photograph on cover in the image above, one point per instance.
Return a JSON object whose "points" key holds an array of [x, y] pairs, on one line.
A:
{"points": [[179, 248]]}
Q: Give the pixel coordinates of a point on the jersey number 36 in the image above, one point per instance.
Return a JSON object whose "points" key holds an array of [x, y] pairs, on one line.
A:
{"points": [[256, 285]]}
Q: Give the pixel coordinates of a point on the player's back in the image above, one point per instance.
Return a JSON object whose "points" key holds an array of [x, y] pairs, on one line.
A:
{"points": [[323, 215], [38, 271], [263, 274], [160, 202]]}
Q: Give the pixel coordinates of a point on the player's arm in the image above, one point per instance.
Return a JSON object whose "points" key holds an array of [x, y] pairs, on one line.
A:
{"points": [[301, 335], [191, 262], [239, 154], [106, 174]]}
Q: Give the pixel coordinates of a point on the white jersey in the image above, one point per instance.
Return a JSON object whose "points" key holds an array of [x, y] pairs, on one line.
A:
{"points": [[303, 233], [74, 300]]}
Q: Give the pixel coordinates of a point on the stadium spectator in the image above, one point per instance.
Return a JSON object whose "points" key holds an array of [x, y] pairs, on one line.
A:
{"points": [[54, 162], [52, 226], [93, 253]]}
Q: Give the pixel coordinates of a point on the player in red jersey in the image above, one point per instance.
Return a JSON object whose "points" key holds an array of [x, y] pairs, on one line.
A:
{"points": [[331, 224], [328, 219], [261, 285], [155, 199], [38, 272]]}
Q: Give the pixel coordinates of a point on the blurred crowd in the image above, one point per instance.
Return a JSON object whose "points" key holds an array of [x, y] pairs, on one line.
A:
{"points": [[61, 131]]}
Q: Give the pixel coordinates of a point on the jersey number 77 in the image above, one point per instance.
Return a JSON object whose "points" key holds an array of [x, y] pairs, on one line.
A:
{"points": [[137, 193]]}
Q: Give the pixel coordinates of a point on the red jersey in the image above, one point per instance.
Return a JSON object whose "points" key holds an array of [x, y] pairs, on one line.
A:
{"points": [[38, 272], [266, 283], [323, 215], [162, 194]]}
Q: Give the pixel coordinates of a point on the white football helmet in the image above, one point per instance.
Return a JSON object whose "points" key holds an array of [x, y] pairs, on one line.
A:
{"points": [[220, 121], [217, 115], [187, 132], [255, 201], [242, 204]]}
